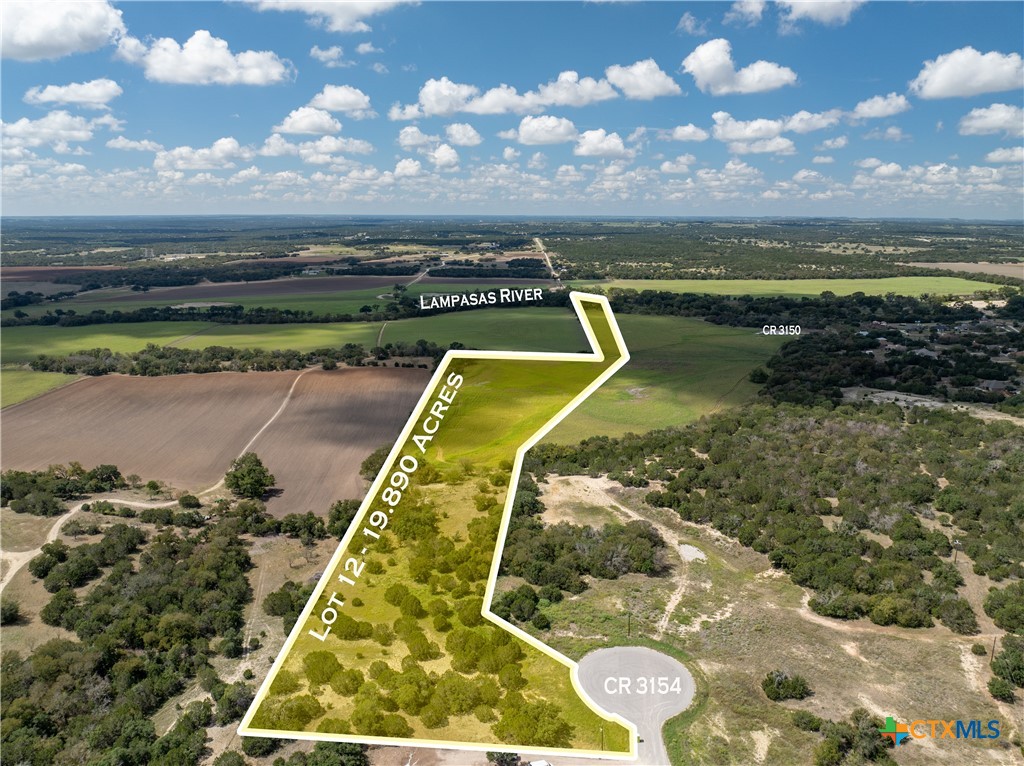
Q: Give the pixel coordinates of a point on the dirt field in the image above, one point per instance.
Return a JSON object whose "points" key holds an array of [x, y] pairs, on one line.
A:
{"points": [[186, 429], [45, 273], [333, 421], [1001, 269]]}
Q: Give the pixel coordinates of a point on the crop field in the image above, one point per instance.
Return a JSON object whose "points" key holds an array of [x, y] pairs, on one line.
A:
{"points": [[186, 429], [269, 337], [798, 287], [183, 429], [1001, 269], [321, 295], [332, 422], [679, 370], [23, 344], [19, 385]]}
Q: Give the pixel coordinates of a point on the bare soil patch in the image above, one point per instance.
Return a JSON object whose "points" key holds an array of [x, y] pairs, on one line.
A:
{"points": [[1002, 269], [333, 422], [181, 429]]}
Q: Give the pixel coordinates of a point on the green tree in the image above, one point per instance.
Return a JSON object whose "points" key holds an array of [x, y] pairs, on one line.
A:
{"points": [[248, 477], [10, 611]]}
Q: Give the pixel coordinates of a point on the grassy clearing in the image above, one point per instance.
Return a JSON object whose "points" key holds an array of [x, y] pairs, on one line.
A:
{"points": [[679, 370], [23, 531], [22, 385], [797, 287], [519, 329], [22, 344], [296, 337]]}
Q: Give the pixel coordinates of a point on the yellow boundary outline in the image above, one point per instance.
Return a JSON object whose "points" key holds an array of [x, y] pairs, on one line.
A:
{"points": [[596, 355]]}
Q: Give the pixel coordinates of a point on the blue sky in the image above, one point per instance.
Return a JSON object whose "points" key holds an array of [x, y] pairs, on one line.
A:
{"points": [[577, 108]]}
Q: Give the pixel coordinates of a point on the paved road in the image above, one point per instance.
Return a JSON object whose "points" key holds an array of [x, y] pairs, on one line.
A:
{"points": [[643, 686]]}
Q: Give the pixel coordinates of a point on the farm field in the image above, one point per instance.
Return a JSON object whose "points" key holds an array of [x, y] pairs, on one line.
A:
{"points": [[797, 287], [1001, 269], [186, 429], [513, 329], [182, 429], [335, 295], [23, 344], [19, 385], [332, 422], [296, 337], [679, 370]]}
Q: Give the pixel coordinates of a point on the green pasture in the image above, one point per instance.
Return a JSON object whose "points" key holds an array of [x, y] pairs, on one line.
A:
{"points": [[514, 329], [23, 344], [21, 385], [679, 370], [798, 288]]}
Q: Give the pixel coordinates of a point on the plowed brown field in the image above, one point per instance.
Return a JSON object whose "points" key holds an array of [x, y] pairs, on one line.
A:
{"points": [[333, 421], [186, 429]]}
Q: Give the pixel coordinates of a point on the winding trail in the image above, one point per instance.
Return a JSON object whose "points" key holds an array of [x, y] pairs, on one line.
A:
{"points": [[15, 560]]}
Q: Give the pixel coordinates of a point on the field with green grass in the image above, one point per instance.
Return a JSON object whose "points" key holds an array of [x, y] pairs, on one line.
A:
{"points": [[336, 302], [513, 329], [797, 288], [295, 337], [20, 385], [23, 344], [679, 370]]}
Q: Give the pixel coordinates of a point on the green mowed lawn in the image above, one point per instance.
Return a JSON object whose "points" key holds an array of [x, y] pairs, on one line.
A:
{"points": [[21, 385], [679, 370], [23, 344], [797, 287]]}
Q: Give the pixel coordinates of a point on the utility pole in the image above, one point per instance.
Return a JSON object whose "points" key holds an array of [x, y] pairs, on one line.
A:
{"points": [[629, 623]]}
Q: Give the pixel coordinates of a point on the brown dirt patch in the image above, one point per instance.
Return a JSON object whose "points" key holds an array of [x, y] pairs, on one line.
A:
{"points": [[182, 429], [332, 423]]}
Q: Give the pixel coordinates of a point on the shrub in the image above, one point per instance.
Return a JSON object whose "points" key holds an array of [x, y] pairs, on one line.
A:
{"points": [[779, 685]]}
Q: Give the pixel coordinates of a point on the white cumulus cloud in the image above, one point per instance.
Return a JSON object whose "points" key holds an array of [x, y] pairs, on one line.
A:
{"points": [[411, 137], [462, 134], [823, 159], [204, 60], [222, 153], [680, 164], [509, 153], [1009, 154], [94, 94], [31, 30], [692, 25], [308, 120], [777, 145], [729, 129], [880, 106], [598, 143], [835, 143], [344, 16], [997, 118], [805, 122], [444, 157], [713, 70], [545, 129], [408, 168], [127, 145], [366, 48], [642, 81], [53, 128], [968, 72], [830, 12], [332, 58], [746, 12], [688, 132], [344, 99]]}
